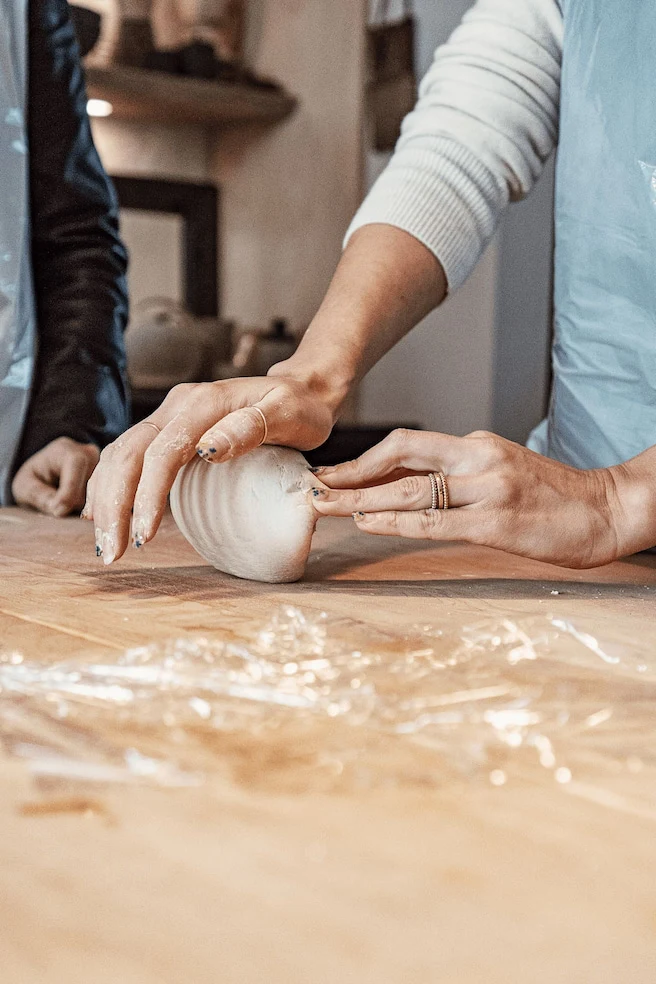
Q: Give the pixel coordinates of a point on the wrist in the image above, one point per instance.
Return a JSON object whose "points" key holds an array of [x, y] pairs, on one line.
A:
{"points": [[329, 386], [632, 502]]}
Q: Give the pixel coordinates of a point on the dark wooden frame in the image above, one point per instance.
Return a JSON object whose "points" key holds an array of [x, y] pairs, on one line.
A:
{"points": [[198, 206]]}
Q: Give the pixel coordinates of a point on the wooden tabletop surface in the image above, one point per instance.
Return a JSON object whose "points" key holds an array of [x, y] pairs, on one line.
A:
{"points": [[232, 882]]}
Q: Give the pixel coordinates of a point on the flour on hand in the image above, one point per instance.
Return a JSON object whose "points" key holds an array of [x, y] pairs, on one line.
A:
{"points": [[251, 516]]}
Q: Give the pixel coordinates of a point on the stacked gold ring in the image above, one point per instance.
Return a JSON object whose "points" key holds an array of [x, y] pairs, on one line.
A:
{"points": [[439, 491]]}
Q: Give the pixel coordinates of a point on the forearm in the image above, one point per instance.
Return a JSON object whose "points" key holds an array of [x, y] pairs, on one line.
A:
{"points": [[386, 282]]}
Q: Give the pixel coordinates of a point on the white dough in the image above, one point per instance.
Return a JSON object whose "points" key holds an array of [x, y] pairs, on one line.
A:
{"points": [[252, 516]]}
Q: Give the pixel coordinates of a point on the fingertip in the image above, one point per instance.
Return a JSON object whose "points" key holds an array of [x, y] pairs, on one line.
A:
{"points": [[213, 447]]}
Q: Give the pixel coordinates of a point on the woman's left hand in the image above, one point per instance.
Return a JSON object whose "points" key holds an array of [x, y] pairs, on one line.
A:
{"points": [[501, 495]]}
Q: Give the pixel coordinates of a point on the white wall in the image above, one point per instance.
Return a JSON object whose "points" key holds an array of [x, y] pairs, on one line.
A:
{"points": [[288, 194]]}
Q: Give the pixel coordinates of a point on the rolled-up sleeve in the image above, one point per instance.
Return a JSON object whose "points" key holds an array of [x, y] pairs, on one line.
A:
{"points": [[485, 124]]}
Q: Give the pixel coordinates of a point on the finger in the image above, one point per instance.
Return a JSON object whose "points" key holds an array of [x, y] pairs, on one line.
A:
{"points": [[414, 450], [114, 484], [238, 432], [433, 524], [206, 404], [411, 493], [76, 466]]}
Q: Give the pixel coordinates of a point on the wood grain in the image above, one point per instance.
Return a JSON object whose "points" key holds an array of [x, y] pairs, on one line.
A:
{"points": [[459, 884]]}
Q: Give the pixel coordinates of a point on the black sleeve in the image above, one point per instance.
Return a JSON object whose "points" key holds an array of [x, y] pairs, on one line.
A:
{"points": [[79, 263]]}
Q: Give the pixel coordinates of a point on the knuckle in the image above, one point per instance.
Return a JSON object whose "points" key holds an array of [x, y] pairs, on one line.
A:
{"points": [[393, 521], [120, 450], [402, 436], [504, 481], [411, 488], [69, 500], [182, 390], [285, 392], [491, 448], [427, 523], [63, 442]]}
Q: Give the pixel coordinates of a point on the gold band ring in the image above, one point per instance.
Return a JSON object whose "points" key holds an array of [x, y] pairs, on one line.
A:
{"points": [[149, 423], [264, 421]]}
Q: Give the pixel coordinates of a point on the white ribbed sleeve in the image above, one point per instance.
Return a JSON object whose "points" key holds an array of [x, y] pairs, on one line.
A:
{"points": [[484, 125]]}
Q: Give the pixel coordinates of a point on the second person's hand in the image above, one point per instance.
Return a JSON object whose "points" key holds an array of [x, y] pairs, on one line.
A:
{"points": [[218, 421]]}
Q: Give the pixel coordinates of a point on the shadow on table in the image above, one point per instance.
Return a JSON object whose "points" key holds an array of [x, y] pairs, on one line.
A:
{"points": [[203, 583]]}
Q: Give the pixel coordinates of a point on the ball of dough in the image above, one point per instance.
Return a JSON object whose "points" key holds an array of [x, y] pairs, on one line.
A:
{"points": [[251, 516]]}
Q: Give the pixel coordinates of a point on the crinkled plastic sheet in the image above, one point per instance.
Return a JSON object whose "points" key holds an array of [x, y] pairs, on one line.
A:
{"points": [[316, 702]]}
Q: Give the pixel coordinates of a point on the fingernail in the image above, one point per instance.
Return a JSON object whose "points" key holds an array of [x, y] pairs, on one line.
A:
{"points": [[138, 540], [217, 450], [358, 516], [319, 493], [108, 548], [317, 469], [85, 513], [98, 542]]}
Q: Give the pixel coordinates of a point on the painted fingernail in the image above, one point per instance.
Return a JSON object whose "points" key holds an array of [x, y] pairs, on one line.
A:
{"points": [[138, 540], [108, 548], [317, 469], [218, 448], [358, 516], [319, 493], [99, 534]]}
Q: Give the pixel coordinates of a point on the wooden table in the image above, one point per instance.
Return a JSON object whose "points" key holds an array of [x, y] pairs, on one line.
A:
{"points": [[463, 884]]}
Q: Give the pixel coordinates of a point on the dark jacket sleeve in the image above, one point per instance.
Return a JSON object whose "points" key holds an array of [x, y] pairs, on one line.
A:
{"points": [[79, 262]]}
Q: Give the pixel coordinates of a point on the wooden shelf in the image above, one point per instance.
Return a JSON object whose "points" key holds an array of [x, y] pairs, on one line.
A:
{"points": [[140, 94]]}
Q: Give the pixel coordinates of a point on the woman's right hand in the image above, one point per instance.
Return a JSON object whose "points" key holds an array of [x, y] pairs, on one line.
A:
{"points": [[218, 421]]}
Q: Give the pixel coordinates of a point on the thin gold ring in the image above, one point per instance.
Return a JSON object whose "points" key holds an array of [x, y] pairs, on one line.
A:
{"points": [[149, 423], [264, 421], [439, 491], [434, 491], [444, 490]]}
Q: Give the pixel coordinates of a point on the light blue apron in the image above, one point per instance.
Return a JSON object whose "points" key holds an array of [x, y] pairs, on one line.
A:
{"points": [[603, 404], [17, 329]]}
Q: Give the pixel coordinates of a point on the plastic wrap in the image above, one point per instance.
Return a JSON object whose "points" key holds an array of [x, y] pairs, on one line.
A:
{"points": [[310, 701]]}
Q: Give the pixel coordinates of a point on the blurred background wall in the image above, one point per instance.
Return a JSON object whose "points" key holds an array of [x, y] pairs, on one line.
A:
{"points": [[288, 191]]}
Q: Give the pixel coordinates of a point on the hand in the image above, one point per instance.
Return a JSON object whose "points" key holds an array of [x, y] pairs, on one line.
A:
{"points": [[501, 495], [215, 420], [54, 480]]}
